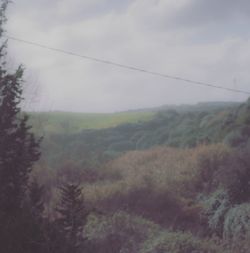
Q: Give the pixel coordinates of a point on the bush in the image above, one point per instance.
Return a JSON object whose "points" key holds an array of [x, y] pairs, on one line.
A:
{"points": [[237, 223], [210, 159], [170, 242], [121, 146], [216, 206], [119, 232], [234, 138], [234, 175]]}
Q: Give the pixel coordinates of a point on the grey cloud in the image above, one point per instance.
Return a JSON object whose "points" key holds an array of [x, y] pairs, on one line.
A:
{"points": [[48, 14], [205, 20], [200, 12], [163, 36]]}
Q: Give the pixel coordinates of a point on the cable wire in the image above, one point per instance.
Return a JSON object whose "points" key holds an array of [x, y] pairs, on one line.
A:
{"points": [[126, 66]]}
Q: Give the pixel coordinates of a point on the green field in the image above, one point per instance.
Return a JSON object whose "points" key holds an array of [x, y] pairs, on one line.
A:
{"points": [[69, 122]]}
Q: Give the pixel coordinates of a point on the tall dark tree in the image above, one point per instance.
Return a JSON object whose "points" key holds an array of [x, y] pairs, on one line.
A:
{"points": [[19, 149]]}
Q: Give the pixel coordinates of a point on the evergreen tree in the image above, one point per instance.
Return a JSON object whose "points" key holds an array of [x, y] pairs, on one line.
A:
{"points": [[34, 222], [19, 149], [72, 216]]}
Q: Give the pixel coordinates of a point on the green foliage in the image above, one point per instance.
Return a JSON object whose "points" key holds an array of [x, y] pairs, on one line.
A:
{"points": [[72, 216], [71, 123], [216, 207], [163, 185], [208, 163], [119, 232], [179, 243], [237, 223], [139, 130], [221, 167], [121, 146], [233, 174], [156, 184], [18, 147], [234, 138]]}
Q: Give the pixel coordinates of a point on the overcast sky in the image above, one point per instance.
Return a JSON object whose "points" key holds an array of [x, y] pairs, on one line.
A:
{"points": [[204, 40]]}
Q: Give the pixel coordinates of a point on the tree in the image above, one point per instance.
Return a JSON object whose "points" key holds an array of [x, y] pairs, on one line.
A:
{"points": [[19, 149], [72, 216]]}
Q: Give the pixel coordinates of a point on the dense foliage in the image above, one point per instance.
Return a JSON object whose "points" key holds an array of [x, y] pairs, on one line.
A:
{"points": [[176, 128], [177, 183]]}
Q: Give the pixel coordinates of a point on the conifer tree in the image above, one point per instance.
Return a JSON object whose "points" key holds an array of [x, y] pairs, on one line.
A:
{"points": [[72, 216], [19, 149]]}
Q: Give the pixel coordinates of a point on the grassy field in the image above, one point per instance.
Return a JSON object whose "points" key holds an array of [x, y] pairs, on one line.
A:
{"points": [[68, 122]]}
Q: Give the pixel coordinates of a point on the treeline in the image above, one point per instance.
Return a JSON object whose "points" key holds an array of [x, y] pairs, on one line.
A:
{"points": [[210, 124]]}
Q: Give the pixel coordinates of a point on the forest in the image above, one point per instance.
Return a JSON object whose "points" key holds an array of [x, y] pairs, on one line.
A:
{"points": [[178, 182], [173, 179]]}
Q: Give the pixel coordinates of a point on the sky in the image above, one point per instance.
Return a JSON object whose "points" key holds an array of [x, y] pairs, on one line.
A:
{"points": [[207, 41]]}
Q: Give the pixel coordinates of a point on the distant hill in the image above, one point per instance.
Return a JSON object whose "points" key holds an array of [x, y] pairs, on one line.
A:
{"points": [[211, 123], [201, 106], [71, 122]]}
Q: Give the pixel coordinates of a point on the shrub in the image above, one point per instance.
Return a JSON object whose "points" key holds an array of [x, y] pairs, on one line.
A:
{"points": [[209, 162], [121, 146], [170, 242], [234, 175], [234, 138], [119, 232], [237, 223], [216, 206]]}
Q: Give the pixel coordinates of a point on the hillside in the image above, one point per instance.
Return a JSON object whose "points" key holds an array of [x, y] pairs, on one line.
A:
{"points": [[199, 107], [60, 122], [178, 182], [89, 147], [70, 122]]}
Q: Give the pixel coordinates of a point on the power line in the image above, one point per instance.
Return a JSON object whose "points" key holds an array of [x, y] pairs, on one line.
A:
{"points": [[126, 66]]}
